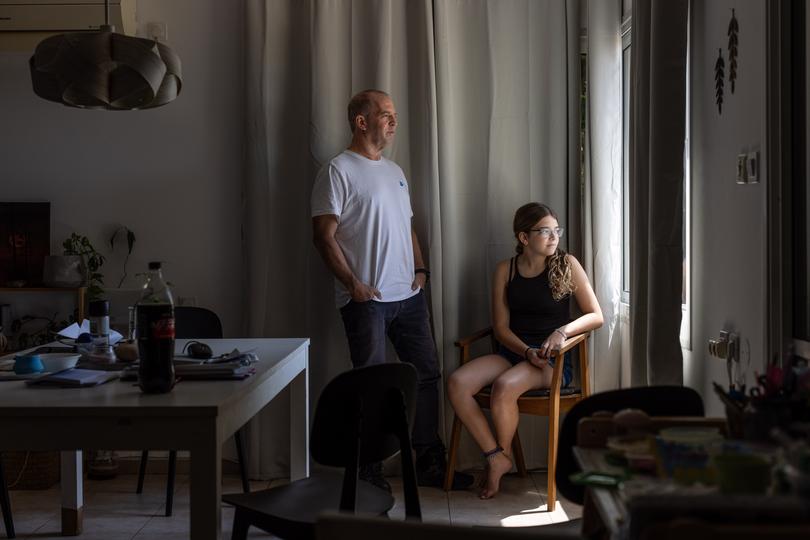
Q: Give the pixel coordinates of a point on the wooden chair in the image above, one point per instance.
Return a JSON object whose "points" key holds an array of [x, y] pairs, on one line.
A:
{"points": [[547, 402]]}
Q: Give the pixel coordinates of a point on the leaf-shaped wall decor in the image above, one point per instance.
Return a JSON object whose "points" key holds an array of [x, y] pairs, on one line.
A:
{"points": [[733, 31], [719, 75]]}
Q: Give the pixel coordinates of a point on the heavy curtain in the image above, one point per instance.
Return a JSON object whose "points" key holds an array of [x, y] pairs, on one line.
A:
{"points": [[488, 102], [657, 129]]}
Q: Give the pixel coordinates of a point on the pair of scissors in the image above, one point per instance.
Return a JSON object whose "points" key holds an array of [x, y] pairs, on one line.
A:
{"points": [[762, 389]]}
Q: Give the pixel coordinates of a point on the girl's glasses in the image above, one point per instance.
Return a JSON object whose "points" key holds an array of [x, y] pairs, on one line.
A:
{"points": [[546, 232]]}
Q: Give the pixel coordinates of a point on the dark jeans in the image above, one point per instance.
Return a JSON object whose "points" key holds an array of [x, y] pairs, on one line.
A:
{"points": [[407, 325]]}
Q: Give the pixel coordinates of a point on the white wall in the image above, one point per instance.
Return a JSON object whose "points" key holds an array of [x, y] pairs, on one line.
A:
{"points": [[729, 220], [173, 174]]}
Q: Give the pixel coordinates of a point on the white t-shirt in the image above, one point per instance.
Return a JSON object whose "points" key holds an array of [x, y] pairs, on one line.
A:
{"points": [[373, 206]]}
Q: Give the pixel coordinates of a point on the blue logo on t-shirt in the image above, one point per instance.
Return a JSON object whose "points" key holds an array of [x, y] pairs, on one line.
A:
{"points": [[401, 183]]}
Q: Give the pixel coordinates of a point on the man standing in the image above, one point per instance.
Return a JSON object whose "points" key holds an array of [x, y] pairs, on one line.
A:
{"points": [[361, 217]]}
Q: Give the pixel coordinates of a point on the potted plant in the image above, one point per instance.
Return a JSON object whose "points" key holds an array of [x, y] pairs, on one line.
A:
{"points": [[123, 230], [92, 260]]}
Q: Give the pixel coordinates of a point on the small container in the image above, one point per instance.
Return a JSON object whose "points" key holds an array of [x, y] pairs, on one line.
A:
{"points": [[684, 453], [743, 473], [25, 364], [100, 332]]}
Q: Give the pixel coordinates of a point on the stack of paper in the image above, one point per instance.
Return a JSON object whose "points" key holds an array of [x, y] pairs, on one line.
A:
{"points": [[222, 370], [74, 378]]}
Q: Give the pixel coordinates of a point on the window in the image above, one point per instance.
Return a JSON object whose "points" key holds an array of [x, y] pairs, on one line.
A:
{"points": [[626, 55]]}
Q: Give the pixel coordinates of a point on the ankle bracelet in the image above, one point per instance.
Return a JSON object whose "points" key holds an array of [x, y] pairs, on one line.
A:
{"points": [[492, 453]]}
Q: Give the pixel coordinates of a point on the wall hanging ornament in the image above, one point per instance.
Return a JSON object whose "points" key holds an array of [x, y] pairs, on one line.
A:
{"points": [[733, 31], [719, 74]]}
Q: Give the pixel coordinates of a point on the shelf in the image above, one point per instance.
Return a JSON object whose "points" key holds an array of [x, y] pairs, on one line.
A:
{"points": [[41, 289], [80, 292]]}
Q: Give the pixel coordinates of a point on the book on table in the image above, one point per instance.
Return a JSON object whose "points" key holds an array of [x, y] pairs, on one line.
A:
{"points": [[74, 378]]}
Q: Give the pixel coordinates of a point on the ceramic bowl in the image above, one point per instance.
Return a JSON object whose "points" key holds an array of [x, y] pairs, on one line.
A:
{"points": [[58, 361]]}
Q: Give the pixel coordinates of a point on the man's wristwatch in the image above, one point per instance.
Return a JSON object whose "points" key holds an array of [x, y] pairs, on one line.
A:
{"points": [[423, 271]]}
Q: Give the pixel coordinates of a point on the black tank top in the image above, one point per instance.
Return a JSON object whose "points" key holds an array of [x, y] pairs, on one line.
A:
{"points": [[533, 312]]}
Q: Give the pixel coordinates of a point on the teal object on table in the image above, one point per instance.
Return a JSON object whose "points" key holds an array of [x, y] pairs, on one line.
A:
{"points": [[25, 364]]}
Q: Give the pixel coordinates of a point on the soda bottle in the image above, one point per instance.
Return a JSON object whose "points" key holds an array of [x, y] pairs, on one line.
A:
{"points": [[154, 328]]}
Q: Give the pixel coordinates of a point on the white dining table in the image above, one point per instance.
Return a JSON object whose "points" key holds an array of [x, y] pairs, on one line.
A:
{"points": [[197, 416]]}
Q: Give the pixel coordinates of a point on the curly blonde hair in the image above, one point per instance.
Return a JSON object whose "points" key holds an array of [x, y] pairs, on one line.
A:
{"points": [[559, 267]]}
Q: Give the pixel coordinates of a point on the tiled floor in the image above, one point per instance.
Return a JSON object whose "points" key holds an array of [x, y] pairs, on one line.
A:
{"points": [[113, 511]]}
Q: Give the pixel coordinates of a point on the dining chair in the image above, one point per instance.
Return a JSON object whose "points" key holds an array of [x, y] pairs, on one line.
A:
{"points": [[191, 322], [5, 503], [363, 416], [548, 402], [654, 400]]}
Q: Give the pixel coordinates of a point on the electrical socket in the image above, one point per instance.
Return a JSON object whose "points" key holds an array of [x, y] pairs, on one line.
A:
{"points": [[727, 346]]}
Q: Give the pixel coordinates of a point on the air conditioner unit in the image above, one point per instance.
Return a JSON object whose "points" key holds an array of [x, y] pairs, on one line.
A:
{"points": [[24, 23]]}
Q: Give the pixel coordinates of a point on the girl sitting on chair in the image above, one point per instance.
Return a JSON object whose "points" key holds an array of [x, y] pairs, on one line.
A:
{"points": [[530, 318]]}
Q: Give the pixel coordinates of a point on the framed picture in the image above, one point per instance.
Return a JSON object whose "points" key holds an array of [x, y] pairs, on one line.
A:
{"points": [[25, 240]]}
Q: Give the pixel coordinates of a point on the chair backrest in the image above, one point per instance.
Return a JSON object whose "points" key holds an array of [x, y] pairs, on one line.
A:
{"points": [[196, 322], [370, 400], [654, 400]]}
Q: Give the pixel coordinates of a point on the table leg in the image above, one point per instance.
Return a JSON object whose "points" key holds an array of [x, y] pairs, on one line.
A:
{"points": [[206, 488], [72, 496], [299, 425]]}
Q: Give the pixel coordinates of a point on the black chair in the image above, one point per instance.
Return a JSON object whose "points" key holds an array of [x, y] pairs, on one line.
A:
{"points": [[654, 400], [363, 416], [196, 322], [5, 503], [189, 323]]}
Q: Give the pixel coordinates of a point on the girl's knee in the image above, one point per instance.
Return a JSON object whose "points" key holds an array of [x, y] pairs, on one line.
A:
{"points": [[504, 391], [457, 385]]}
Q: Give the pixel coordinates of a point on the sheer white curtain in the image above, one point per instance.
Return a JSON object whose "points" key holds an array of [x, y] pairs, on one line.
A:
{"points": [[507, 89], [486, 93], [603, 185]]}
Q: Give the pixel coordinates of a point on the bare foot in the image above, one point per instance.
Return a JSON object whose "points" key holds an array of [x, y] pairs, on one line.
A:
{"points": [[497, 465]]}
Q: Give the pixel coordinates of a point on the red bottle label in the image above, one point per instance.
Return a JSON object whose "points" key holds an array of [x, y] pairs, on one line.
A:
{"points": [[163, 328]]}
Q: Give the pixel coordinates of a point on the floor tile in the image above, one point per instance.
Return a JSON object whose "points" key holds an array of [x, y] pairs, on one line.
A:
{"points": [[113, 511]]}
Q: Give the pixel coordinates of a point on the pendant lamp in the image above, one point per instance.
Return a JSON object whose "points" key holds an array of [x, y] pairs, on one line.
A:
{"points": [[105, 70]]}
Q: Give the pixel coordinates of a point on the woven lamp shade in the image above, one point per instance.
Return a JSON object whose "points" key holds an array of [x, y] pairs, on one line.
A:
{"points": [[105, 70]]}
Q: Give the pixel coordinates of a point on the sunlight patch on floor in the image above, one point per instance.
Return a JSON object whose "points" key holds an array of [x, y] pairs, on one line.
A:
{"points": [[536, 516]]}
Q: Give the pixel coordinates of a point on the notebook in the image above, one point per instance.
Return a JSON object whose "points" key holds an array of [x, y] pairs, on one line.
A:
{"points": [[74, 378]]}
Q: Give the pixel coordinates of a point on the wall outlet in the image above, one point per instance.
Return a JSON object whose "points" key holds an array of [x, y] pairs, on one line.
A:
{"points": [[726, 346], [742, 168], [752, 168]]}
